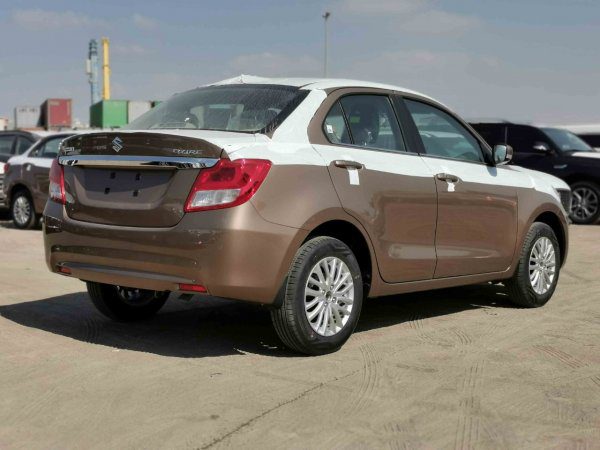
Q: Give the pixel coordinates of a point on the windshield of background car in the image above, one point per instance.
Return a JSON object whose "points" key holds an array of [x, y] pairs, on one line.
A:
{"points": [[567, 141], [238, 108]]}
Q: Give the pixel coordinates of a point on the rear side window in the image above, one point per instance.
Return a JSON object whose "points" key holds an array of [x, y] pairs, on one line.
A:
{"points": [[6, 143], [50, 148], [442, 134], [493, 134], [23, 145], [334, 126], [591, 139], [522, 138], [366, 121]]}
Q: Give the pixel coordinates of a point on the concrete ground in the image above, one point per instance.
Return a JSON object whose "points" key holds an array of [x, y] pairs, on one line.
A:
{"points": [[457, 368]]}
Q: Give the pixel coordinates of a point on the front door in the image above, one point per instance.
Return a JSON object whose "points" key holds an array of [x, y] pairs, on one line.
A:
{"points": [[382, 184], [477, 203]]}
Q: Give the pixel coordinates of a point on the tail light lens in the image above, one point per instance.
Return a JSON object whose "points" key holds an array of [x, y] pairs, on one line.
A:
{"points": [[57, 182], [226, 184]]}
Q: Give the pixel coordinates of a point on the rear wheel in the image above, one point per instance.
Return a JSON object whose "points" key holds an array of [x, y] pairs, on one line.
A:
{"points": [[322, 298], [585, 208], [538, 269], [125, 304], [22, 210]]}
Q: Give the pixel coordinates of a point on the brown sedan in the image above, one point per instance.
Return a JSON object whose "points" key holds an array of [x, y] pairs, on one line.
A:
{"points": [[306, 195]]}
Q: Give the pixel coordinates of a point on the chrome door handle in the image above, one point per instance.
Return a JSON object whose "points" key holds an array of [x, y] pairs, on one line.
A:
{"points": [[449, 178], [348, 164]]}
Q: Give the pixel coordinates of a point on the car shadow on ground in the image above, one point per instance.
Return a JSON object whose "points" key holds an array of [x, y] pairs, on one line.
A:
{"points": [[213, 327]]}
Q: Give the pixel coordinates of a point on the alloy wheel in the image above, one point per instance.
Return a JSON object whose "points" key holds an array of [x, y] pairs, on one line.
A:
{"points": [[21, 210], [585, 203], [542, 265], [329, 296]]}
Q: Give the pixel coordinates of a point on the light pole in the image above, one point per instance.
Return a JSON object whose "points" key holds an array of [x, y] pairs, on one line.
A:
{"points": [[326, 17]]}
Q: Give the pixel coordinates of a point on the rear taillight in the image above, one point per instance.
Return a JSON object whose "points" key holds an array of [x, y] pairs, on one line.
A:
{"points": [[57, 182], [226, 184]]}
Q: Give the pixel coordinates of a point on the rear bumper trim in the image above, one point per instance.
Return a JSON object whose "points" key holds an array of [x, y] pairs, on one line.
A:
{"points": [[155, 162], [125, 277]]}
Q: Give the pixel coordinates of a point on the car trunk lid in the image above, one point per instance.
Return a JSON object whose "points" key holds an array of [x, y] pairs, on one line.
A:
{"points": [[138, 179]]}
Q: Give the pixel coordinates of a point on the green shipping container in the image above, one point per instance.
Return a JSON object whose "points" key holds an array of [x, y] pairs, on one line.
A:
{"points": [[108, 114]]}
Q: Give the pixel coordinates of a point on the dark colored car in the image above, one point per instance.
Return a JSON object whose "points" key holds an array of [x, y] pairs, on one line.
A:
{"points": [[555, 151], [14, 142], [26, 180]]}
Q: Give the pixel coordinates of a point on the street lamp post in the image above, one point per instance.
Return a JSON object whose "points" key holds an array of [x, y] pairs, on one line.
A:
{"points": [[325, 17]]}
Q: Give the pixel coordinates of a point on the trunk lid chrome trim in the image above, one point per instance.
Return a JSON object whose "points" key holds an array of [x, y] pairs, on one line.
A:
{"points": [[122, 161]]}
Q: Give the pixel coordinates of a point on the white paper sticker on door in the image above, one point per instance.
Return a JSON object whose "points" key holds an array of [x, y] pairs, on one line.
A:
{"points": [[353, 177]]}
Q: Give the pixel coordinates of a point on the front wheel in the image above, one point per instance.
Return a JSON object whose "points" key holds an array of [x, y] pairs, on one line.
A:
{"points": [[538, 268], [322, 298], [125, 304]]}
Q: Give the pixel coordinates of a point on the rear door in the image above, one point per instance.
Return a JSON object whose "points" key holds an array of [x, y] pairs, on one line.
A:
{"points": [[477, 203], [36, 167], [380, 180], [132, 178]]}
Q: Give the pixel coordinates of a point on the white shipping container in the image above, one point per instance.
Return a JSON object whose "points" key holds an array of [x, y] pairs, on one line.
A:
{"points": [[27, 116], [136, 108]]}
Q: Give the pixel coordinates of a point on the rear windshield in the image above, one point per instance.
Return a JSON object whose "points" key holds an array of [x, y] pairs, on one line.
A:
{"points": [[241, 108]]}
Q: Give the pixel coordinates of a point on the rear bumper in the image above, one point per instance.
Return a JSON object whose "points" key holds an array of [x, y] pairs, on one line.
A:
{"points": [[233, 252]]}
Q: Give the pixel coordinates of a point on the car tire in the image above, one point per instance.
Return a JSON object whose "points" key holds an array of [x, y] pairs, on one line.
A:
{"points": [[125, 304], [320, 324], [540, 255], [585, 207], [22, 211]]}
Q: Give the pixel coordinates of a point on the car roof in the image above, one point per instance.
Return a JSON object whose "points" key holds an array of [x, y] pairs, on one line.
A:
{"points": [[316, 83], [588, 128]]}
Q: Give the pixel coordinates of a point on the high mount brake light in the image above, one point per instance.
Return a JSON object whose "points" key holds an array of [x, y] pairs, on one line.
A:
{"points": [[226, 184], [57, 182]]}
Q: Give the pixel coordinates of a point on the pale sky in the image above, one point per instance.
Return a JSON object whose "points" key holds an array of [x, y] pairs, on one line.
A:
{"points": [[528, 60]]}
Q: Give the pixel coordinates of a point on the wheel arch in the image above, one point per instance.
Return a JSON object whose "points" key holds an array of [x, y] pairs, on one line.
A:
{"points": [[16, 188], [354, 238], [553, 221]]}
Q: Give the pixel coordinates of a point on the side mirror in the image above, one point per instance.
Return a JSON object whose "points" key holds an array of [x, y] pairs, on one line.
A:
{"points": [[502, 154], [541, 147]]}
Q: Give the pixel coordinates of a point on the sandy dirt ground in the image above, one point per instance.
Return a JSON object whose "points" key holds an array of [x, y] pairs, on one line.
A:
{"points": [[458, 368]]}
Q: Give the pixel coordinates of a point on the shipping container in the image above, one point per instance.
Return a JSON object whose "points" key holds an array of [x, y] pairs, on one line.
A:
{"points": [[27, 116], [136, 108], [108, 114], [56, 113]]}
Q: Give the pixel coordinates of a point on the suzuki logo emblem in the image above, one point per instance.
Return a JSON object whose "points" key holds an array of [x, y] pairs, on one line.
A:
{"points": [[117, 144]]}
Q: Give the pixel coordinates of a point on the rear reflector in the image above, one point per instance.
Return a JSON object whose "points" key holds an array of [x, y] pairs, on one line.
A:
{"points": [[192, 288], [226, 184], [57, 182], [63, 269]]}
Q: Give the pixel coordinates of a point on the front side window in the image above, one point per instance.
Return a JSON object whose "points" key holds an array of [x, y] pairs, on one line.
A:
{"points": [[567, 141], [442, 134], [238, 108]]}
